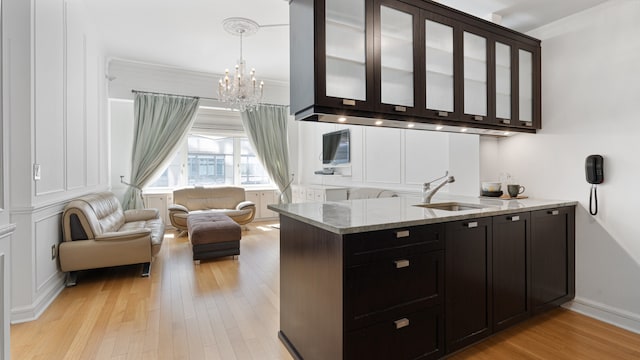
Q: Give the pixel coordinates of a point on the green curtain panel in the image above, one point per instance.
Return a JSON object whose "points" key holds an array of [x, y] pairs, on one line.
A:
{"points": [[266, 128], [161, 124]]}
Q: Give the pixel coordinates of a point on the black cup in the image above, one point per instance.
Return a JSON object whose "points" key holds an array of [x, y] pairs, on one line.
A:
{"points": [[515, 190]]}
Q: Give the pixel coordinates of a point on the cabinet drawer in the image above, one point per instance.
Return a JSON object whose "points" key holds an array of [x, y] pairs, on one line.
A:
{"points": [[416, 335], [392, 286], [394, 243]]}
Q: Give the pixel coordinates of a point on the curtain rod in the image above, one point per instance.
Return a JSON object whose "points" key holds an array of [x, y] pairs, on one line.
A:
{"points": [[199, 97]]}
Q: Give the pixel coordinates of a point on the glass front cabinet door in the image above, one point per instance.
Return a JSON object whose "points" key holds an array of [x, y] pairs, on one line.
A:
{"points": [[396, 32], [475, 64], [503, 80], [348, 55], [440, 70]]}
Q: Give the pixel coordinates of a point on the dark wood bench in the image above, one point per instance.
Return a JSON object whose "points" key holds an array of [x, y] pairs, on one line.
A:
{"points": [[213, 235]]}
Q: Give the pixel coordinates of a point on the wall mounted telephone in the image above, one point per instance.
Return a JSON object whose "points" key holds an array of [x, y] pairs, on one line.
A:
{"points": [[594, 171]]}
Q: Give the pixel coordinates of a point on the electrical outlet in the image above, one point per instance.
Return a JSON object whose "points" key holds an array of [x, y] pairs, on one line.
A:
{"points": [[53, 252], [36, 172]]}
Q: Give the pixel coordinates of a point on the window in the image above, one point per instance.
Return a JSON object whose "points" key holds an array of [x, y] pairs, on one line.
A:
{"points": [[213, 160]]}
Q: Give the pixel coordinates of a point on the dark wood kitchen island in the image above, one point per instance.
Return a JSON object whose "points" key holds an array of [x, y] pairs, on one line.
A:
{"points": [[387, 279]]}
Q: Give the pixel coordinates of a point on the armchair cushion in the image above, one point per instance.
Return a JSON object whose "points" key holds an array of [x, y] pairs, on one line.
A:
{"points": [[226, 200]]}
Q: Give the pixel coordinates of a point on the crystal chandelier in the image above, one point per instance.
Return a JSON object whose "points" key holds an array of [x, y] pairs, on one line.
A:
{"points": [[240, 90]]}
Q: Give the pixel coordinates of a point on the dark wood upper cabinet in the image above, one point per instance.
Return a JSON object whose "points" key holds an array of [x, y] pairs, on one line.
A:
{"points": [[410, 61]]}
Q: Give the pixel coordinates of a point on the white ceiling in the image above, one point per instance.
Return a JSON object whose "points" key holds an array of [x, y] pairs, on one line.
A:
{"points": [[188, 33]]}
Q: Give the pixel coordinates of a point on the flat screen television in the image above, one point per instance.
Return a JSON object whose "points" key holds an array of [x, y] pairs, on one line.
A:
{"points": [[335, 147]]}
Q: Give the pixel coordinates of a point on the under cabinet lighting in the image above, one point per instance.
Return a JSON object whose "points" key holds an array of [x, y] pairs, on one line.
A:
{"points": [[342, 119], [378, 122], [439, 127], [411, 125], [463, 129], [506, 133]]}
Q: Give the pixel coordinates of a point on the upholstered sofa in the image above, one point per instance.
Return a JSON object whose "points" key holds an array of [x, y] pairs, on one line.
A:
{"points": [[227, 200], [98, 233]]}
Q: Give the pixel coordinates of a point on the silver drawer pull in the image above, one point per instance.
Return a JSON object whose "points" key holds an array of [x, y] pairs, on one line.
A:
{"points": [[506, 122], [553, 212], [443, 113], [514, 218], [473, 224], [477, 118], [528, 123], [348, 102], [404, 322], [401, 263], [400, 108], [402, 234]]}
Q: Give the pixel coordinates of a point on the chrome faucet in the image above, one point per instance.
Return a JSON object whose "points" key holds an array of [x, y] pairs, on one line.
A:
{"points": [[427, 192]]}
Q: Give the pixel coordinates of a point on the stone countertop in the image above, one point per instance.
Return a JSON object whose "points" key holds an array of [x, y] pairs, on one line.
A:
{"points": [[355, 216]]}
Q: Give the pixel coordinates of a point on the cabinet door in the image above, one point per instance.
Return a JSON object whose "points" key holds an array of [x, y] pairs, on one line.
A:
{"points": [[415, 335], [467, 282], [475, 69], [511, 301], [528, 62], [552, 257], [346, 64], [504, 82], [396, 34], [267, 197], [440, 70]]}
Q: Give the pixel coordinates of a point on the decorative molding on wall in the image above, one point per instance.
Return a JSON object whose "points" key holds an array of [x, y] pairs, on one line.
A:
{"points": [[606, 313], [7, 230]]}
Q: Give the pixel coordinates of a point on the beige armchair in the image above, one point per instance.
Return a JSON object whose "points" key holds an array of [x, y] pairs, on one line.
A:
{"points": [[227, 200], [98, 233]]}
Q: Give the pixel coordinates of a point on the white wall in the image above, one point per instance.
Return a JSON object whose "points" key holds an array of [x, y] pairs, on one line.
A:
{"points": [[591, 94], [54, 106], [392, 158]]}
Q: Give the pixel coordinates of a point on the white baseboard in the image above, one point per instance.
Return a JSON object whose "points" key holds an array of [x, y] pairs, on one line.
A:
{"points": [[614, 316], [49, 293]]}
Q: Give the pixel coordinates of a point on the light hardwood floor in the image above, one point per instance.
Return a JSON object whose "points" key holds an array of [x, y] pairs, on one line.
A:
{"points": [[228, 309]]}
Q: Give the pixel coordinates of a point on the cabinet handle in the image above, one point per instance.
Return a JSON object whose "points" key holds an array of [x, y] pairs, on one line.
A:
{"points": [[473, 224], [443, 113], [399, 108], [514, 218], [348, 102], [477, 118], [404, 322], [527, 123], [553, 212], [506, 122], [401, 263], [402, 234]]}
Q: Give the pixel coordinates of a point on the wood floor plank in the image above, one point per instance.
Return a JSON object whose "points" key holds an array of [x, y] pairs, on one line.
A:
{"points": [[229, 309]]}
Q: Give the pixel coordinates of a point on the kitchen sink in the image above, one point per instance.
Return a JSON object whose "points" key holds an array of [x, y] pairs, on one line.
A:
{"points": [[452, 206]]}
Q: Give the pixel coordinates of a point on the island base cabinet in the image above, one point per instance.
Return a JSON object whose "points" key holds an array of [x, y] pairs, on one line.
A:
{"points": [[552, 258], [467, 282], [418, 335], [511, 300]]}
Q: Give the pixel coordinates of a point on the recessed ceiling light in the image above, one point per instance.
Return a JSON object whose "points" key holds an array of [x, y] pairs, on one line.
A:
{"points": [[378, 122], [342, 119], [439, 127], [463, 129], [410, 125]]}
